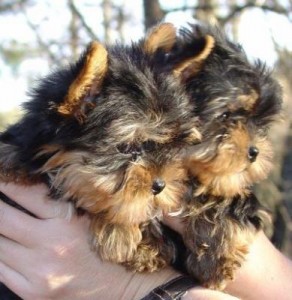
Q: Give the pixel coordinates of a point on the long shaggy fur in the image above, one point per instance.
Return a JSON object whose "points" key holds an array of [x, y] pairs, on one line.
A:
{"points": [[236, 102], [169, 124], [106, 133]]}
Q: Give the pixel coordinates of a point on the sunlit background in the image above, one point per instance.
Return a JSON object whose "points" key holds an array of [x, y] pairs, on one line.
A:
{"points": [[38, 36]]}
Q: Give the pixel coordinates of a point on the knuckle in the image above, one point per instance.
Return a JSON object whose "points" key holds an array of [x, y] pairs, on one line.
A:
{"points": [[44, 272]]}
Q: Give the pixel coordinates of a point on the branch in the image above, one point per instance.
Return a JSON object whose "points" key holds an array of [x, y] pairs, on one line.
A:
{"points": [[8, 7], [239, 9], [39, 39], [187, 7], [152, 13], [89, 31], [235, 10]]}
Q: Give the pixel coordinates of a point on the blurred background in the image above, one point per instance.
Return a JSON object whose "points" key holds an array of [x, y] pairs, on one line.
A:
{"points": [[38, 36]]}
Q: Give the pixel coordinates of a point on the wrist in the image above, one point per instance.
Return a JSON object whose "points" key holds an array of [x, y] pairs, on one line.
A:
{"points": [[174, 289], [200, 293], [142, 284]]}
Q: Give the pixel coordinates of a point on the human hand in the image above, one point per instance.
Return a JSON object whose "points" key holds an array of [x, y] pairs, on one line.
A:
{"points": [[49, 257], [265, 274]]}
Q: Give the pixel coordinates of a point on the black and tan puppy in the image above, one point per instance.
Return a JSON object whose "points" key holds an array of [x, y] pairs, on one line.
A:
{"points": [[106, 134], [167, 124], [236, 102]]}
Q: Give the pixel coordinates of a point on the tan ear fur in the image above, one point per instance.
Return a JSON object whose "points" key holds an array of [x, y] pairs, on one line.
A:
{"points": [[249, 101], [193, 65], [162, 36], [87, 83]]}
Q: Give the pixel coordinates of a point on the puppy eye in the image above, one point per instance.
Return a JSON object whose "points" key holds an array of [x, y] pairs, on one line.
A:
{"points": [[132, 149], [149, 146], [124, 148], [225, 115]]}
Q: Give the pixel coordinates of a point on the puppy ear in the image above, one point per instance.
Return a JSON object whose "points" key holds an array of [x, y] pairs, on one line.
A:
{"points": [[87, 84], [192, 65], [249, 100], [162, 37]]}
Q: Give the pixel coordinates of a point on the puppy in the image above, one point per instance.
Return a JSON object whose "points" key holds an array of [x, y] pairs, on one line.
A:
{"points": [[236, 102], [106, 134], [164, 125]]}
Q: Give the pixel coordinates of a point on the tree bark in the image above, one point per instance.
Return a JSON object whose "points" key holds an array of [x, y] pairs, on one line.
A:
{"points": [[73, 31], [153, 13], [207, 11]]}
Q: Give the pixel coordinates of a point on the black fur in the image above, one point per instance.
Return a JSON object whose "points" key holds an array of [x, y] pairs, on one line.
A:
{"points": [[138, 90], [216, 90], [226, 73]]}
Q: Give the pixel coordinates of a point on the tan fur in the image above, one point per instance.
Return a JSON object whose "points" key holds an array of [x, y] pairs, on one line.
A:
{"points": [[143, 129], [116, 243], [133, 204], [161, 37], [193, 65], [245, 101], [147, 258], [230, 172], [152, 127], [232, 244], [175, 176], [233, 255], [88, 82], [118, 215], [194, 137], [126, 190], [81, 183]]}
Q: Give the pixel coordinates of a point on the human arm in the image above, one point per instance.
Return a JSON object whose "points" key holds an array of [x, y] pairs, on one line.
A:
{"points": [[49, 257], [265, 274]]}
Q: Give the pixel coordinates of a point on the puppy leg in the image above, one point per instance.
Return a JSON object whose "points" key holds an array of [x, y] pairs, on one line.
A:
{"points": [[153, 253], [147, 258], [217, 249], [115, 242]]}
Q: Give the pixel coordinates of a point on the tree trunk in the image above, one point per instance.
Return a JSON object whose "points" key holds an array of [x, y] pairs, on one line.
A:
{"points": [[153, 13], [107, 17], [73, 31], [207, 11]]}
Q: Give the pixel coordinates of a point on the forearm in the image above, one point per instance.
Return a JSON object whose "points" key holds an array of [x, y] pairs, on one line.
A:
{"points": [[266, 273], [111, 281], [55, 261], [68, 269]]}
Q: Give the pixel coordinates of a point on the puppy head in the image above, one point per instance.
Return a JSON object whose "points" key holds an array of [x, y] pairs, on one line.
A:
{"points": [[236, 102], [122, 125], [231, 159]]}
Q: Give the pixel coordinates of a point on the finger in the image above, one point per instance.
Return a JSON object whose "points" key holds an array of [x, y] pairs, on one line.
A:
{"points": [[35, 199], [17, 225], [14, 280], [15, 255], [174, 222]]}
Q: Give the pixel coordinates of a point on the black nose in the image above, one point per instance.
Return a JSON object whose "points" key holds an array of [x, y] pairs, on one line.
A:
{"points": [[158, 186], [252, 153]]}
